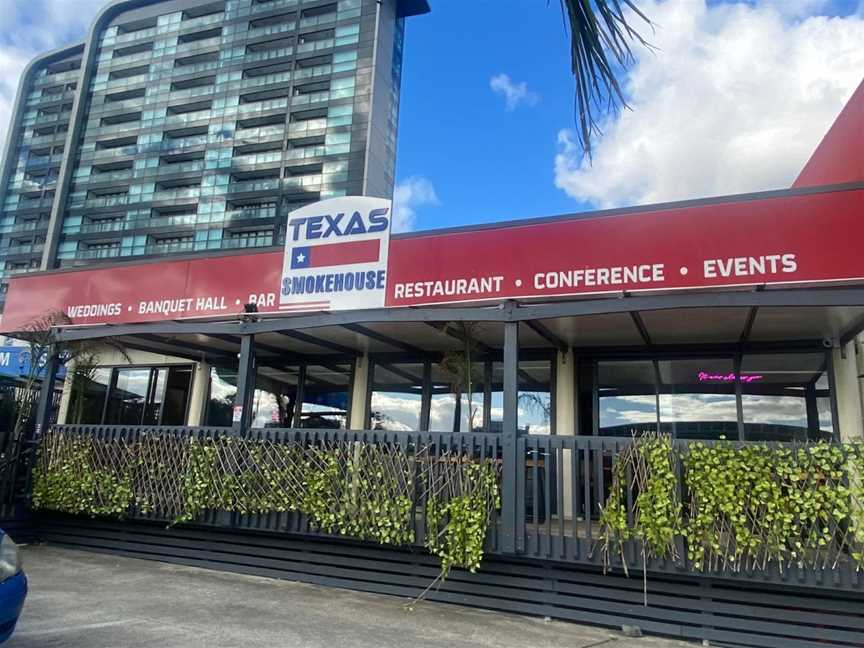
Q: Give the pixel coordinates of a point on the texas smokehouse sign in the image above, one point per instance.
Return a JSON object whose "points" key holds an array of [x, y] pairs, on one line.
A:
{"points": [[339, 255]]}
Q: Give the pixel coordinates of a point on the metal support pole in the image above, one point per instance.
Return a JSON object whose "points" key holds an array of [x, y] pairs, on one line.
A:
{"points": [[739, 398], [426, 396], [245, 385], [510, 468]]}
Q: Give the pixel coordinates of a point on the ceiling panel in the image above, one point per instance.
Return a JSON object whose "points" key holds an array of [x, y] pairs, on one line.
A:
{"points": [[616, 329], [695, 325]]}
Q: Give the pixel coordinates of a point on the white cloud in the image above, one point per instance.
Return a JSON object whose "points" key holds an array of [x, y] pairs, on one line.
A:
{"points": [[409, 195], [515, 94], [780, 410], [735, 99], [28, 29]]}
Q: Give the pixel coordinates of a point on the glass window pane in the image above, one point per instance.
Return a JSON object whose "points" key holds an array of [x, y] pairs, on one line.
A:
{"points": [[153, 407], [177, 393], [535, 397], [220, 406], [325, 397], [274, 399], [451, 409], [89, 389], [777, 390], [628, 404], [128, 397], [396, 396], [697, 398]]}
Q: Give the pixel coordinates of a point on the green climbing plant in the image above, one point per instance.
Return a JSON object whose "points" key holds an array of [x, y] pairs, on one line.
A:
{"points": [[648, 469], [365, 491], [746, 507], [457, 523], [76, 486]]}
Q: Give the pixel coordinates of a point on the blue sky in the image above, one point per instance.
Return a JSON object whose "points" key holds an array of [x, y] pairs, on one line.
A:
{"points": [[485, 162], [488, 163], [734, 99]]}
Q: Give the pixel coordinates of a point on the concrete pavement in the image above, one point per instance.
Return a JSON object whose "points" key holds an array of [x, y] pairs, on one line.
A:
{"points": [[85, 600]]}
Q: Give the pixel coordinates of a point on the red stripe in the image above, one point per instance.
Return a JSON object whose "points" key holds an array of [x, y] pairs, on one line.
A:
{"points": [[333, 254]]}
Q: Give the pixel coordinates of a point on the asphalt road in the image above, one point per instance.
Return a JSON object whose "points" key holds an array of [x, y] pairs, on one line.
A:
{"points": [[86, 600]]}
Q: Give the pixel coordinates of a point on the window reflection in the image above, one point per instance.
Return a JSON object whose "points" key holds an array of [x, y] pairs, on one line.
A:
{"points": [[626, 397], [781, 397], [451, 409], [325, 397], [273, 400], [784, 397], [220, 403], [89, 389], [131, 396], [484, 411], [697, 398], [396, 396]]}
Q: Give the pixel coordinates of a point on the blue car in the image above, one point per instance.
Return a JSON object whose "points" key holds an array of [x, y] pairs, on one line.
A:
{"points": [[13, 586]]}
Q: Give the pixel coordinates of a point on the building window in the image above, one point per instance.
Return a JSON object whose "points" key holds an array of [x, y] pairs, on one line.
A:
{"points": [[324, 394], [749, 397], [131, 396], [397, 400], [397, 396], [785, 397]]}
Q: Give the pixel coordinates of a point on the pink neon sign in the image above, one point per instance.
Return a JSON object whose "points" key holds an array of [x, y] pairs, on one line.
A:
{"points": [[704, 376]]}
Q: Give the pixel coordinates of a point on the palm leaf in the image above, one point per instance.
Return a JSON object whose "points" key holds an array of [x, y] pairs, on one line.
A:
{"points": [[600, 39]]}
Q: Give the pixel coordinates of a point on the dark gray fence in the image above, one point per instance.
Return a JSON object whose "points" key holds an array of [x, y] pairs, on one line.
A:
{"points": [[561, 487], [420, 447], [564, 483]]}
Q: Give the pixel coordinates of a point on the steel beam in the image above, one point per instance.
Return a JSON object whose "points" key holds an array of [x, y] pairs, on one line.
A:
{"points": [[385, 339], [748, 325], [852, 331], [456, 335], [324, 344], [640, 326], [543, 331]]}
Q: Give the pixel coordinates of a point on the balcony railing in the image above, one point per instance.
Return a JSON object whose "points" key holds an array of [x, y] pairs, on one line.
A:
{"points": [[100, 226], [98, 253], [264, 240], [264, 55], [107, 201], [169, 248], [269, 184], [275, 4], [33, 248]]}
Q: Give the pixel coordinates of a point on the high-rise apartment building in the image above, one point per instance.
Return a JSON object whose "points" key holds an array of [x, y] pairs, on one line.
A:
{"points": [[190, 125]]}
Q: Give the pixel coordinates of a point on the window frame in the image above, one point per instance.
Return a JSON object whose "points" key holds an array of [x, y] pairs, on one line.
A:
{"points": [[112, 379], [732, 353]]}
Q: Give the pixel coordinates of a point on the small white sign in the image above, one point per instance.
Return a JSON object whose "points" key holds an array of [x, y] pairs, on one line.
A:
{"points": [[336, 255]]}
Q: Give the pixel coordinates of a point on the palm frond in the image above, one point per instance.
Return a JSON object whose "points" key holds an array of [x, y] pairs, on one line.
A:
{"points": [[600, 41]]}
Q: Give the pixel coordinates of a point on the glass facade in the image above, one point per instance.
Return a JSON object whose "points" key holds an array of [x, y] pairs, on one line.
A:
{"points": [[304, 396], [435, 396], [199, 126], [32, 164], [131, 396], [750, 396]]}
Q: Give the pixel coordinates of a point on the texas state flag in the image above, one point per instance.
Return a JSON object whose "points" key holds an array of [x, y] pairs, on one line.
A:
{"points": [[335, 254]]}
